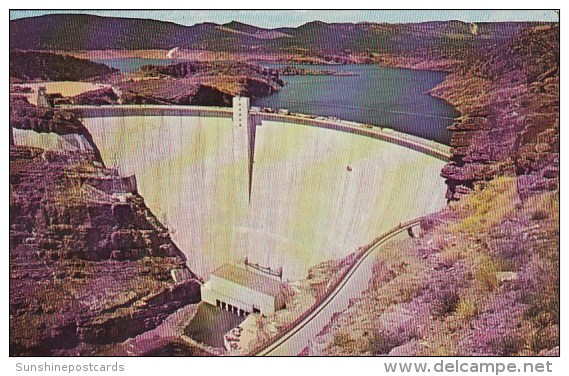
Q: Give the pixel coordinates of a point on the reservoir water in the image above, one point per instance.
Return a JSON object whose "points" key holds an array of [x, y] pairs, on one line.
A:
{"points": [[389, 97]]}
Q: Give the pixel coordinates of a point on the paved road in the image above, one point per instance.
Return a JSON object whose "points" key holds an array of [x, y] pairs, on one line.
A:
{"points": [[294, 340]]}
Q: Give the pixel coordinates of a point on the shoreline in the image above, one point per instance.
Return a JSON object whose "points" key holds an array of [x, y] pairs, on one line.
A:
{"points": [[387, 60]]}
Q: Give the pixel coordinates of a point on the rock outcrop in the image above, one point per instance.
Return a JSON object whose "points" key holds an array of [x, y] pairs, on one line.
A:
{"points": [[199, 83], [105, 96], [179, 92], [26, 116], [509, 100], [90, 265]]}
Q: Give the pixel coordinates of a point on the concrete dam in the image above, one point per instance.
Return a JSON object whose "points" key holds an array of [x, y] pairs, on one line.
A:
{"points": [[284, 194]]}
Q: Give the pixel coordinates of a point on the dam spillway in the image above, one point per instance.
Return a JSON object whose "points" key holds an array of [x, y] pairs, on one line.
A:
{"points": [[306, 206]]}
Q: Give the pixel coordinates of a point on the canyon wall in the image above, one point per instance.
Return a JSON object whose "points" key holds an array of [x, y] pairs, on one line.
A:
{"points": [[90, 265]]}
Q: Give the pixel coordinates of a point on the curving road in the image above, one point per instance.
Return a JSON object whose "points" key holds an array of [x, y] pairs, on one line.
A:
{"points": [[295, 339]]}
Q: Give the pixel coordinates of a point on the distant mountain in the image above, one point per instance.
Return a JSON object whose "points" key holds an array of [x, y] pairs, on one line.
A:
{"points": [[251, 31], [88, 32], [239, 26], [374, 37], [80, 31]]}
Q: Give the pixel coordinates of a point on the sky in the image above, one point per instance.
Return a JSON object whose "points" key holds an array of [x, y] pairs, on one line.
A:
{"points": [[292, 18]]}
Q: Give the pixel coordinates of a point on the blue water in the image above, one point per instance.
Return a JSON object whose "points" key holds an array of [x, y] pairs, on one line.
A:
{"points": [[388, 97]]}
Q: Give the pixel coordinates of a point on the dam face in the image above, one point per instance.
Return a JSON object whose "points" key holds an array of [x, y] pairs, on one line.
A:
{"points": [[316, 194]]}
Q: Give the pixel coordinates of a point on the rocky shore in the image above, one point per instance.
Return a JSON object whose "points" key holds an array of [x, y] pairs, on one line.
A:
{"points": [[510, 122], [200, 83], [187, 83], [508, 96], [211, 83]]}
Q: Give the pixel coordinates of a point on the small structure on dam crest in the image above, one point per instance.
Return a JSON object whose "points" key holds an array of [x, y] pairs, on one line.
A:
{"points": [[243, 291]]}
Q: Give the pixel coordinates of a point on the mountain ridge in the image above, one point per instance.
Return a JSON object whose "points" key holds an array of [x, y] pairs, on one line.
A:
{"points": [[92, 32]]}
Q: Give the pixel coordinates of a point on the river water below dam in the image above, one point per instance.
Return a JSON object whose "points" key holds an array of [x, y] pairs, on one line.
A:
{"points": [[306, 205]]}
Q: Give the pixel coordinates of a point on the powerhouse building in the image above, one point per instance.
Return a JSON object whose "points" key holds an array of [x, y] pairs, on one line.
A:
{"points": [[243, 291]]}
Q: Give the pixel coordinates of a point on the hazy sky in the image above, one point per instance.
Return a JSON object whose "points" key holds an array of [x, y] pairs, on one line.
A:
{"points": [[273, 18]]}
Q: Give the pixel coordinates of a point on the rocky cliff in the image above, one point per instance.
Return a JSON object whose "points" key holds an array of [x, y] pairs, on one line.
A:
{"points": [[507, 93], [509, 99], [199, 83], [26, 116], [90, 265]]}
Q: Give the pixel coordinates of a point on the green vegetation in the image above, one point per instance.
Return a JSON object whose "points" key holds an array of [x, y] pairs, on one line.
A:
{"points": [[451, 254], [487, 206], [485, 272], [467, 308]]}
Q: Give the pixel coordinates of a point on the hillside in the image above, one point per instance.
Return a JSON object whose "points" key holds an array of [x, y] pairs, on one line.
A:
{"points": [[94, 32], [85, 269], [482, 279], [51, 32]]}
